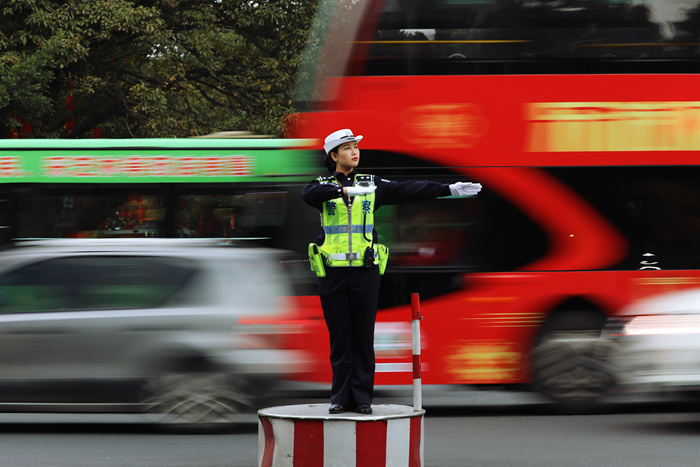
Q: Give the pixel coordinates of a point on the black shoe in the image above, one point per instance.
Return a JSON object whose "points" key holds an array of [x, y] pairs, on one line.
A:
{"points": [[336, 408], [363, 409]]}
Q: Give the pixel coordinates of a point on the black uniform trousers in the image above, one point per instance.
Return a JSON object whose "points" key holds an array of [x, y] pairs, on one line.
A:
{"points": [[349, 297]]}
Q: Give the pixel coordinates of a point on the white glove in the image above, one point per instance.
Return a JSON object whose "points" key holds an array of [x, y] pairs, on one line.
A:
{"points": [[465, 188], [360, 190]]}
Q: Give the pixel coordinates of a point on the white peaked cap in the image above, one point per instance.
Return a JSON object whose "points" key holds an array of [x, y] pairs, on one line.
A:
{"points": [[339, 137]]}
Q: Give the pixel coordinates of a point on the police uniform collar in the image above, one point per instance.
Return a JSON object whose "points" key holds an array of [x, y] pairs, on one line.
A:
{"points": [[340, 176]]}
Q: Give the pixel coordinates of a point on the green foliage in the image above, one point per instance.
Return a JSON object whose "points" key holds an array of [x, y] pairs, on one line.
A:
{"points": [[150, 68]]}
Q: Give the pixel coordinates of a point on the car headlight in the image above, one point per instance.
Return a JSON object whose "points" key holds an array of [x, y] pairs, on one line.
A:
{"points": [[654, 325]]}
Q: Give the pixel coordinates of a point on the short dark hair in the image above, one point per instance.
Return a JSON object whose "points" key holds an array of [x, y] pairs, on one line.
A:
{"points": [[329, 162]]}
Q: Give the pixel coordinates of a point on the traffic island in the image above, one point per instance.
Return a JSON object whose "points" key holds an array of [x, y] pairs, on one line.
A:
{"points": [[308, 436]]}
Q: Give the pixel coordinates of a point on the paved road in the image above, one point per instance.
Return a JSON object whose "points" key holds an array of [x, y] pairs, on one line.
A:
{"points": [[463, 428]]}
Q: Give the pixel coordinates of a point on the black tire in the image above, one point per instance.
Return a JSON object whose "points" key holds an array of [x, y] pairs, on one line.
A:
{"points": [[194, 399], [571, 364]]}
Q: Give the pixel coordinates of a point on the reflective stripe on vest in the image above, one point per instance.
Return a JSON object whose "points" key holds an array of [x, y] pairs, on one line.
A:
{"points": [[343, 226]]}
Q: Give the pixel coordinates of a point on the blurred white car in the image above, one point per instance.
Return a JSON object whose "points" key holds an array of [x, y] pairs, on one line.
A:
{"points": [[190, 331], [657, 343]]}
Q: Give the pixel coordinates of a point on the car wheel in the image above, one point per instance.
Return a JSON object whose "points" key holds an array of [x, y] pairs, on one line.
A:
{"points": [[193, 399], [573, 369]]}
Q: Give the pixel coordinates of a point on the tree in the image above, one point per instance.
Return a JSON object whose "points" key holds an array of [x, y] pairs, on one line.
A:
{"points": [[149, 68]]}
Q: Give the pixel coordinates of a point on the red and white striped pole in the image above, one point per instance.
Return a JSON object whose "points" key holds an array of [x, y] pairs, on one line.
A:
{"points": [[415, 337]]}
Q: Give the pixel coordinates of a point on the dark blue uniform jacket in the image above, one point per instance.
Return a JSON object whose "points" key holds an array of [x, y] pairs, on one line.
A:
{"points": [[388, 192]]}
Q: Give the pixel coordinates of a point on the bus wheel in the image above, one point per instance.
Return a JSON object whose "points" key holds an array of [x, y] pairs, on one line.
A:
{"points": [[193, 399], [572, 368]]}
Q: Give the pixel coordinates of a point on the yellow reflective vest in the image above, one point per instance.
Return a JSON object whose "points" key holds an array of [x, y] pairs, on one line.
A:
{"points": [[347, 227]]}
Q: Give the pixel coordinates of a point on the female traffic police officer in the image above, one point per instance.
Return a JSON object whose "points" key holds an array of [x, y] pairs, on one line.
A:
{"points": [[348, 283]]}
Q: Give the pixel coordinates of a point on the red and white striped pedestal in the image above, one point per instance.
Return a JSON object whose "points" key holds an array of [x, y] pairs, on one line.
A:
{"points": [[308, 436]]}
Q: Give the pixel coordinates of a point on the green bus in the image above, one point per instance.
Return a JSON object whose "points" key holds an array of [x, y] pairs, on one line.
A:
{"points": [[244, 188]]}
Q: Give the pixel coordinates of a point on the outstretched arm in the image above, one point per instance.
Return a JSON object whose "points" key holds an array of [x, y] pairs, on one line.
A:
{"points": [[391, 192]]}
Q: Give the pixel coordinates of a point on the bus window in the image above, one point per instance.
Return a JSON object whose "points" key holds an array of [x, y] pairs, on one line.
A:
{"points": [[75, 213], [232, 216], [657, 209], [426, 37], [6, 212], [485, 233], [130, 212]]}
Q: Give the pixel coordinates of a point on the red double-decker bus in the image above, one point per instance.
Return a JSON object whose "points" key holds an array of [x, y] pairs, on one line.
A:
{"points": [[582, 122]]}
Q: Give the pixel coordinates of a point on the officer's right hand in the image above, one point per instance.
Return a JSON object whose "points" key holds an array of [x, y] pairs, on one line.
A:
{"points": [[359, 190]]}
